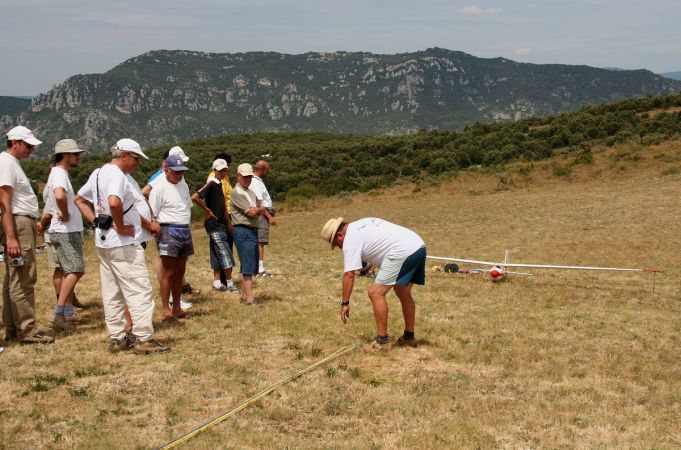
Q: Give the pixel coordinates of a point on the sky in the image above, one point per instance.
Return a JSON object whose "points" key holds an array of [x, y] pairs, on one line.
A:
{"points": [[43, 42]]}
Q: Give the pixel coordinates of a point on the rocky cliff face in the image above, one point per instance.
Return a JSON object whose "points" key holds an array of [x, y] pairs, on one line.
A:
{"points": [[162, 97]]}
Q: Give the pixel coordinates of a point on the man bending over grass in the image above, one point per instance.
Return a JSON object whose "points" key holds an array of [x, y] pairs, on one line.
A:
{"points": [[401, 256]]}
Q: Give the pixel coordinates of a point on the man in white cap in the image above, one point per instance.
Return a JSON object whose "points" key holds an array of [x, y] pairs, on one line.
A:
{"points": [[267, 211], [122, 265], [65, 231], [211, 199], [401, 256], [20, 211]]}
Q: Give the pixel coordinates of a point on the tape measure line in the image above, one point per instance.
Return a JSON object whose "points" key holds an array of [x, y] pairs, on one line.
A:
{"points": [[211, 423]]}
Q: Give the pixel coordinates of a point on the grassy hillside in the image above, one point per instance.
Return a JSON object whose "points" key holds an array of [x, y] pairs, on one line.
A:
{"points": [[13, 106], [307, 165], [561, 359]]}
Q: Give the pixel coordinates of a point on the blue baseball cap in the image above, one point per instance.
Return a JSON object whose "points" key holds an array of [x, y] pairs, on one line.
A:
{"points": [[175, 163]]}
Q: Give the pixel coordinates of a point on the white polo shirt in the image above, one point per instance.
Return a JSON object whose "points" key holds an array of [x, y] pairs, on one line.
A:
{"points": [[171, 203], [261, 194], [112, 181], [373, 239], [59, 178], [24, 200]]}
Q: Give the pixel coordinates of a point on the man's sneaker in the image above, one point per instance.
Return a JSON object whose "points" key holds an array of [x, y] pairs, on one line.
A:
{"points": [[247, 301], [221, 288], [376, 346], [61, 323], [149, 347], [403, 342], [183, 304], [188, 289], [232, 287], [37, 338], [124, 344]]}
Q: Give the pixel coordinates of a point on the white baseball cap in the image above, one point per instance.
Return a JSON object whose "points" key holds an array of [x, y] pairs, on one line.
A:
{"points": [[220, 164], [22, 134], [130, 146], [177, 151]]}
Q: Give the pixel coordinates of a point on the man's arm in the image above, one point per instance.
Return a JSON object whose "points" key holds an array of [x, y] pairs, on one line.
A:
{"points": [[62, 204], [146, 190], [116, 208], [198, 202], [12, 246], [84, 208], [348, 283], [269, 216]]}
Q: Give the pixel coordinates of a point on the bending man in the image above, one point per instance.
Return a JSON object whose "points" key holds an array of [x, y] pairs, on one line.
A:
{"points": [[401, 255]]}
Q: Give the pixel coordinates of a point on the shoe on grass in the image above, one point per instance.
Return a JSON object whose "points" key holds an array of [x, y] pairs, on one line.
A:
{"points": [[264, 274], [403, 342], [375, 346], [221, 287], [188, 289], [232, 288], [37, 338], [183, 304], [149, 347], [122, 345], [62, 323], [76, 303]]}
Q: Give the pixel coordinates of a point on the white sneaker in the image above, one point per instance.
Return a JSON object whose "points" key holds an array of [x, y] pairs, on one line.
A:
{"points": [[184, 305]]}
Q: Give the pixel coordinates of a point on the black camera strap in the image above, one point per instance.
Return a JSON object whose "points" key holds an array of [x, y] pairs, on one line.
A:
{"points": [[98, 199]]}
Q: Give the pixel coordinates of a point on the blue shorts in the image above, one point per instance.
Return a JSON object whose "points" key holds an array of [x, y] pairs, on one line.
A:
{"points": [[403, 271], [414, 269], [246, 241], [220, 255], [175, 241]]}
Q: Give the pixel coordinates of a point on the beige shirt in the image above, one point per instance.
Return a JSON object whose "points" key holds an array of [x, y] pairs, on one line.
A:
{"points": [[240, 200]]}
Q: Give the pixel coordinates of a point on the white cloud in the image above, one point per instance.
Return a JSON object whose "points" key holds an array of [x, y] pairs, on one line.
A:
{"points": [[475, 10]]}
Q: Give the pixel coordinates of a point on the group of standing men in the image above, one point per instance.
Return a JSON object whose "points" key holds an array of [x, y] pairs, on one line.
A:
{"points": [[124, 221]]}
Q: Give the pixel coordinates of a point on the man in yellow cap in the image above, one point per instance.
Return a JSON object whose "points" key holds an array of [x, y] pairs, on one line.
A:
{"points": [[400, 255]]}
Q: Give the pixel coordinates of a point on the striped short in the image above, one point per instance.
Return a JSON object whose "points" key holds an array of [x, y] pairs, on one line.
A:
{"points": [[69, 250]]}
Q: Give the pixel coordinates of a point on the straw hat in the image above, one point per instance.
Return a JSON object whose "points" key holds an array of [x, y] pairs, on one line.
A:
{"points": [[330, 229]]}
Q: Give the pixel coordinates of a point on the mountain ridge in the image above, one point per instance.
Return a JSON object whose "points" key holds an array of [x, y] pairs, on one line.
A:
{"points": [[166, 96]]}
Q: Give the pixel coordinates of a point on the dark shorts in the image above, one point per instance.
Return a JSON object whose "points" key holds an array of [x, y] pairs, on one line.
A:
{"points": [[175, 241], [220, 253], [246, 241], [413, 269]]}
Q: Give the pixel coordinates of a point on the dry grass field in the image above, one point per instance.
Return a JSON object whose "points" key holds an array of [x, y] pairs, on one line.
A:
{"points": [[558, 360]]}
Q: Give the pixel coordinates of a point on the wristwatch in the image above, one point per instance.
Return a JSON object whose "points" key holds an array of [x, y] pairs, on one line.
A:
{"points": [[344, 303]]}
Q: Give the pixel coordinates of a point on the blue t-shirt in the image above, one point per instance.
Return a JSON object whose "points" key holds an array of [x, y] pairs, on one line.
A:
{"points": [[157, 173]]}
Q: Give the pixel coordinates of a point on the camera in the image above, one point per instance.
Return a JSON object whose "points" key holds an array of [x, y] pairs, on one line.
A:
{"points": [[16, 262], [103, 222]]}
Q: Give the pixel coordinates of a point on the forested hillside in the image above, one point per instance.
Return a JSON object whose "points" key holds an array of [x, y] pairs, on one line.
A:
{"points": [[309, 164]]}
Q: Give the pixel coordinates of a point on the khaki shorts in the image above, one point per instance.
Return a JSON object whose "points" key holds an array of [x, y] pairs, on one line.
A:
{"points": [[69, 250], [264, 230]]}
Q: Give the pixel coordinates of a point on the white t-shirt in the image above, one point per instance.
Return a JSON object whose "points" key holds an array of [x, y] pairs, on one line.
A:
{"points": [[142, 207], [157, 179], [47, 209], [372, 240], [59, 178], [24, 200], [258, 187], [171, 203], [112, 181]]}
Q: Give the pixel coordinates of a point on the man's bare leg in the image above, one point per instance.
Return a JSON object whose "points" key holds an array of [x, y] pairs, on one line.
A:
{"points": [[377, 296], [408, 306]]}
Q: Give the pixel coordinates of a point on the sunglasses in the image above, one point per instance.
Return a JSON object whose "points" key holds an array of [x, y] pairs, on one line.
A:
{"points": [[137, 158], [29, 146]]}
